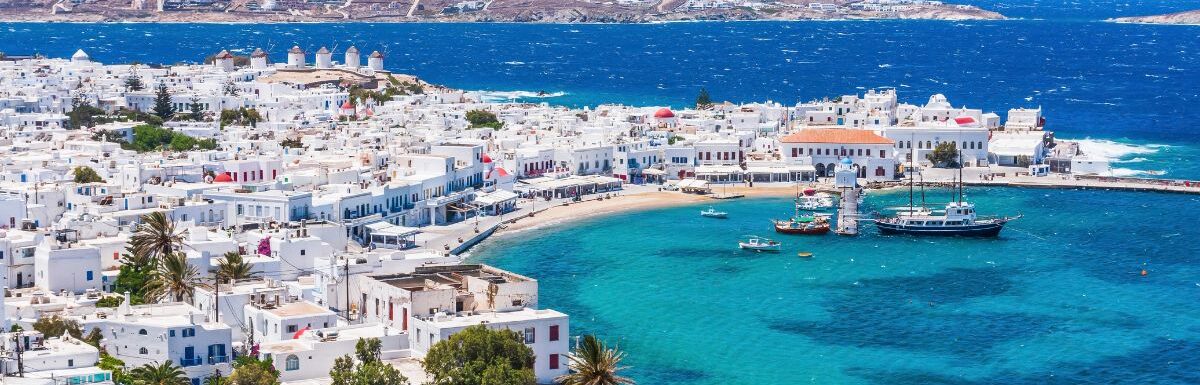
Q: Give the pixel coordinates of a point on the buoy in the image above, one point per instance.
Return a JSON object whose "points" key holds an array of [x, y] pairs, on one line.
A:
{"points": [[1144, 272], [804, 254]]}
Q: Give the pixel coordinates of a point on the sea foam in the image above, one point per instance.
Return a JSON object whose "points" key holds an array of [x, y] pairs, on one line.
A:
{"points": [[504, 96]]}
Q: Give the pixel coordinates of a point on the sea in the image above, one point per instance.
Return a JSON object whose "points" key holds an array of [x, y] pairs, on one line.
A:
{"points": [[1059, 298]]}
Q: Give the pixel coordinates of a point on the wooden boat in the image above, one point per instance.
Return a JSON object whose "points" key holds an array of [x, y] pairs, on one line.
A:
{"points": [[760, 245], [803, 225]]}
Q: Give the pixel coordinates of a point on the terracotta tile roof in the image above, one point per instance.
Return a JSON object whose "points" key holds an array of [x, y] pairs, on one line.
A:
{"points": [[839, 136]]}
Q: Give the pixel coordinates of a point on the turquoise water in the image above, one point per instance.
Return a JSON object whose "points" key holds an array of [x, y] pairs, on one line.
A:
{"points": [[1058, 298]]}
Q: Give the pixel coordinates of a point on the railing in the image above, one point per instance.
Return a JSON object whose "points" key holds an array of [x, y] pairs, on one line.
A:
{"points": [[213, 360], [186, 362]]}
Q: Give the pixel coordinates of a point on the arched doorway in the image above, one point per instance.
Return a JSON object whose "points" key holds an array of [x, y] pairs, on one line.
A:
{"points": [[830, 169], [820, 169]]}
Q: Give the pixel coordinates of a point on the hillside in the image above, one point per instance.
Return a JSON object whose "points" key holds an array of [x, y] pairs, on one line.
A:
{"points": [[563, 11], [1188, 17]]}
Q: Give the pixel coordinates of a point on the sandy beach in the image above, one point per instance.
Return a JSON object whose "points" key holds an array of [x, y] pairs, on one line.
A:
{"points": [[633, 201]]}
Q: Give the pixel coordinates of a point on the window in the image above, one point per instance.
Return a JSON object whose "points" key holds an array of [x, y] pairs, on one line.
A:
{"points": [[171, 333], [529, 335], [291, 328], [554, 332], [143, 350], [89, 275], [142, 332], [189, 332], [553, 361], [71, 363], [293, 362]]}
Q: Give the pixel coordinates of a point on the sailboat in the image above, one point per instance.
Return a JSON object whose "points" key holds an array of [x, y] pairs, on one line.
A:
{"points": [[959, 219]]}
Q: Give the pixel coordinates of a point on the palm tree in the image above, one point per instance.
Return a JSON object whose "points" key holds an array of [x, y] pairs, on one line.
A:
{"points": [[156, 236], [165, 373], [173, 279], [593, 363], [233, 267]]}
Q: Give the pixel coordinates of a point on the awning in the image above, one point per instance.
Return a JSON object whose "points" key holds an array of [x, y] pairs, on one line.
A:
{"points": [[692, 184], [388, 229], [495, 197], [718, 170]]}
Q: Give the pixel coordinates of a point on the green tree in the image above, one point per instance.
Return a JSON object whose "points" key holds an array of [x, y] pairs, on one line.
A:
{"points": [[248, 370], [165, 373], [182, 143], [83, 114], [478, 355], [156, 237], [134, 83], [370, 369], [593, 363], [483, 118], [56, 326], [114, 365], [945, 154], [134, 274], [233, 267], [110, 301], [173, 280], [703, 101], [85, 174], [162, 103], [195, 109]]}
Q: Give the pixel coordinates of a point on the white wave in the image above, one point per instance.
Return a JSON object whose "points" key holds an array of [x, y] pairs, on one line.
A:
{"points": [[504, 96], [1112, 150], [885, 65], [514, 63], [1132, 172], [1134, 160]]}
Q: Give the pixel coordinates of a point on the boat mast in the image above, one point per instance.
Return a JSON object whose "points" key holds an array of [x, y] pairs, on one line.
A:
{"points": [[960, 178], [911, 156]]}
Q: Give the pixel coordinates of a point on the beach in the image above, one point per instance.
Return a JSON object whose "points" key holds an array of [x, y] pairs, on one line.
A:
{"points": [[634, 200]]}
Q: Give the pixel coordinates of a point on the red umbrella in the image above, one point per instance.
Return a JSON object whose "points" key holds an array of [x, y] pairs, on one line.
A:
{"points": [[299, 333]]}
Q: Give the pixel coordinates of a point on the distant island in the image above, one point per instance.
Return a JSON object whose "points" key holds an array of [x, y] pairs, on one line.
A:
{"points": [[1187, 17], [548, 11]]}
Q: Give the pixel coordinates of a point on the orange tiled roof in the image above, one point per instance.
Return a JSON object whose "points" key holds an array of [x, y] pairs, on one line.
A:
{"points": [[845, 136]]}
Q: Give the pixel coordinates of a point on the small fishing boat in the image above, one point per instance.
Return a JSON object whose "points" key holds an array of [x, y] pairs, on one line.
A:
{"points": [[803, 225], [760, 245], [804, 254], [713, 213]]}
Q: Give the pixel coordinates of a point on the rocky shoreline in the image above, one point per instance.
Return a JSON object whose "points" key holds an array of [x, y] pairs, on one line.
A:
{"points": [[1178, 18], [544, 11]]}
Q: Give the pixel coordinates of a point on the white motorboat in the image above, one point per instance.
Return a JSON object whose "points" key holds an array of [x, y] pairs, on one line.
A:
{"points": [[760, 245], [713, 213]]}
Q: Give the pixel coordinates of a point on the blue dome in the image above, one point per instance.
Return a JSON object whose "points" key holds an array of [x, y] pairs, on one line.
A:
{"points": [[846, 161]]}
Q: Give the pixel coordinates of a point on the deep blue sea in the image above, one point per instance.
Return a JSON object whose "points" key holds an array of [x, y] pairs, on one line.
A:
{"points": [[1057, 299], [1133, 90]]}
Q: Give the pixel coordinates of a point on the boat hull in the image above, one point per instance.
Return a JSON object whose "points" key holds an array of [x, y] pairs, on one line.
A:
{"points": [[975, 230], [796, 231]]}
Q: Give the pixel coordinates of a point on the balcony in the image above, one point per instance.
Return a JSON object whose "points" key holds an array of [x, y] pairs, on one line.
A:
{"points": [[186, 362], [213, 360]]}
